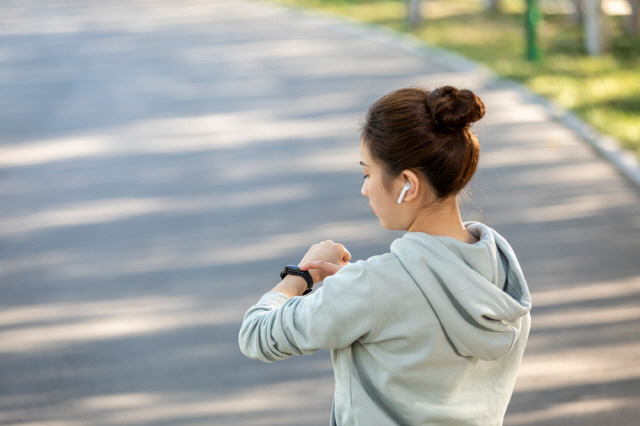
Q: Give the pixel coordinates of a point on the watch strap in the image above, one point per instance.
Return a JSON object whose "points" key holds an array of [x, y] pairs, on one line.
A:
{"points": [[295, 270]]}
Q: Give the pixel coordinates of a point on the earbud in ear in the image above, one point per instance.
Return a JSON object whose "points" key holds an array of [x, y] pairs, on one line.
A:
{"points": [[407, 186]]}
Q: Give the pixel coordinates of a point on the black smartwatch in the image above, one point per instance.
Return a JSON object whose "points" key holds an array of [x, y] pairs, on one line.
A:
{"points": [[295, 270]]}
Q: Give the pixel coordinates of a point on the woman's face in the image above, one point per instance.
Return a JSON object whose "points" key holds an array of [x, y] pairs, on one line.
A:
{"points": [[382, 201]]}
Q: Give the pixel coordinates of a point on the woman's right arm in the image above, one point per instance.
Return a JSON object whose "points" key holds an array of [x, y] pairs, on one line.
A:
{"points": [[336, 315]]}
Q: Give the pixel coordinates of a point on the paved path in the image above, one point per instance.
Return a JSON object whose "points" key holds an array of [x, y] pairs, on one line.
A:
{"points": [[160, 161]]}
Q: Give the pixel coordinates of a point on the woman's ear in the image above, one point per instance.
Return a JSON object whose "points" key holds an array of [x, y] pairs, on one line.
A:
{"points": [[410, 177]]}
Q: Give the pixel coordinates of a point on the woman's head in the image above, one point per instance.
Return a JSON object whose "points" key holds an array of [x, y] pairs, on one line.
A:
{"points": [[428, 133]]}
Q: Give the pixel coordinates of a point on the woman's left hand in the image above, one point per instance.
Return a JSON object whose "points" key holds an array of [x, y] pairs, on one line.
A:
{"points": [[321, 269], [324, 259]]}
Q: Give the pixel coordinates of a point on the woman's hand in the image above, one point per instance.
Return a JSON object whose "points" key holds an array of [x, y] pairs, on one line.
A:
{"points": [[320, 269], [324, 259]]}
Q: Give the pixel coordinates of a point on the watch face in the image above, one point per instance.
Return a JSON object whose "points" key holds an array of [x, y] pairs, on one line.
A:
{"points": [[292, 269], [295, 270]]}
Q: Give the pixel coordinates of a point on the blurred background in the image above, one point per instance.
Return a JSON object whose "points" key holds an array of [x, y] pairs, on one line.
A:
{"points": [[160, 161], [582, 54]]}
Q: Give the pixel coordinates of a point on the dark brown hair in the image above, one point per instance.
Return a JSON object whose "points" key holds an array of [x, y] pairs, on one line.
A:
{"points": [[427, 132]]}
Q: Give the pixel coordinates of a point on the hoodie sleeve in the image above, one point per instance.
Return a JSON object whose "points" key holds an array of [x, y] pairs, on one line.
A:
{"points": [[334, 316]]}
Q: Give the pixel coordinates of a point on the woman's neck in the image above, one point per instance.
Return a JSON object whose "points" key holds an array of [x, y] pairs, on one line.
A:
{"points": [[442, 218]]}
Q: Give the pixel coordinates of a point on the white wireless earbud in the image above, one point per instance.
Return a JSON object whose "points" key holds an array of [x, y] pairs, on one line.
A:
{"points": [[407, 186]]}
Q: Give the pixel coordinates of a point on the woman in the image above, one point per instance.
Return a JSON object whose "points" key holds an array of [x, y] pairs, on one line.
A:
{"points": [[433, 332]]}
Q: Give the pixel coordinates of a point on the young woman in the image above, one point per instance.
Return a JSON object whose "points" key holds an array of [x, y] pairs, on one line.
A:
{"points": [[431, 333]]}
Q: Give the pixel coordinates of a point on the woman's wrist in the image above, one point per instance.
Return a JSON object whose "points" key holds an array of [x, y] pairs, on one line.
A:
{"points": [[291, 285]]}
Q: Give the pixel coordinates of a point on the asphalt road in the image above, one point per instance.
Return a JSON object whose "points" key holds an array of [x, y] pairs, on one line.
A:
{"points": [[161, 161]]}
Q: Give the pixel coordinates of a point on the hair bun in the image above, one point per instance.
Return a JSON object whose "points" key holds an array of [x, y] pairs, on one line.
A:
{"points": [[453, 108]]}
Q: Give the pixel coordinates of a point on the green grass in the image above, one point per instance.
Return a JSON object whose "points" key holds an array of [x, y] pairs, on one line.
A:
{"points": [[603, 90]]}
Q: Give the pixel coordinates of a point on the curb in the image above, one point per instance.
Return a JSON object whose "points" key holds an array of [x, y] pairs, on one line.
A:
{"points": [[607, 147]]}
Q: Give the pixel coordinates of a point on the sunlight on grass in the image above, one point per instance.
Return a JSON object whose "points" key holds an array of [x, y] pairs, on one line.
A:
{"points": [[604, 91]]}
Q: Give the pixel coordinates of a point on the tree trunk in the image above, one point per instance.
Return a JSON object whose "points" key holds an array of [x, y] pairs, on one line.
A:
{"points": [[577, 16], [494, 5], [414, 16], [595, 33], [633, 21]]}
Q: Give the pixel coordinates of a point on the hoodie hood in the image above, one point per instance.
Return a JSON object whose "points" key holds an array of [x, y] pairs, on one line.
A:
{"points": [[477, 290]]}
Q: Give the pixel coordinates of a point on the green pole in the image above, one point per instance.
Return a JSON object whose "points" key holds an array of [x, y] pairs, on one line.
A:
{"points": [[533, 18]]}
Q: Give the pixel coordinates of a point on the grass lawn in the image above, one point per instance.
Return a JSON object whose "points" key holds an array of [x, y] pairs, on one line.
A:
{"points": [[604, 90]]}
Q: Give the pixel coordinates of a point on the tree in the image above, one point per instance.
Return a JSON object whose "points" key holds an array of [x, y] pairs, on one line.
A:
{"points": [[414, 15], [595, 32], [494, 5], [576, 16], [633, 20]]}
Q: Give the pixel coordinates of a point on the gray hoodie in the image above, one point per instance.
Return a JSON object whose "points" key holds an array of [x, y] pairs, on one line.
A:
{"points": [[429, 334]]}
